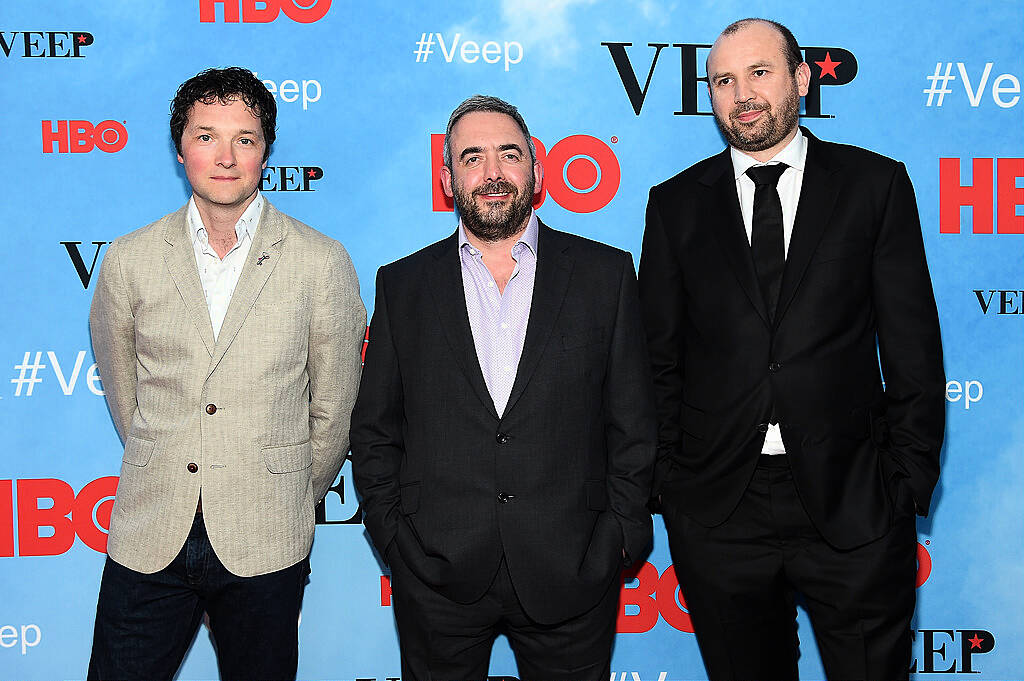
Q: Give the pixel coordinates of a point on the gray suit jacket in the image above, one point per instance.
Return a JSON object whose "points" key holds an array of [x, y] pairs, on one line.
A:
{"points": [[262, 413]]}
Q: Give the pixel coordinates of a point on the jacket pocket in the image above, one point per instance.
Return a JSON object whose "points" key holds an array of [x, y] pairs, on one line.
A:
{"points": [[138, 451], [410, 498], [288, 458], [597, 495], [692, 421]]}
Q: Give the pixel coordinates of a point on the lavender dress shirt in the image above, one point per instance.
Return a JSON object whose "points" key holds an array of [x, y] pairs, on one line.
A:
{"points": [[498, 320]]}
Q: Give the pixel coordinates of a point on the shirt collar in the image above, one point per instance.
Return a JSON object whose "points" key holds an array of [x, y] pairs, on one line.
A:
{"points": [[246, 224], [528, 238], [793, 155]]}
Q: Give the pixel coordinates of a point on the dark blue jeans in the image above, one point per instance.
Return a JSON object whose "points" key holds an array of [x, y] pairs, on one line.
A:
{"points": [[145, 623]]}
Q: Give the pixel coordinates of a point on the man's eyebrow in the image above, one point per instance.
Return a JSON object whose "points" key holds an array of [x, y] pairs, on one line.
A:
{"points": [[756, 65], [470, 150], [507, 147], [212, 128]]}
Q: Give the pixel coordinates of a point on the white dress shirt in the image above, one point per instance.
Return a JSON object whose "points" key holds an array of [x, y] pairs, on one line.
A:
{"points": [[219, 276], [793, 155]]}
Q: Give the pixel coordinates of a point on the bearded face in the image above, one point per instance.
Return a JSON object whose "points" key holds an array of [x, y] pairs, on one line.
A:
{"points": [[495, 210], [768, 129], [492, 175]]}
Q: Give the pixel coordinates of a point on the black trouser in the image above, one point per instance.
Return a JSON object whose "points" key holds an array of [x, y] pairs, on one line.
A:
{"points": [[145, 623], [442, 640], [740, 579]]}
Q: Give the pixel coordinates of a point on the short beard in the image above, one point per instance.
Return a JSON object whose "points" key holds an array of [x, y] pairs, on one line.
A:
{"points": [[769, 130], [497, 223]]}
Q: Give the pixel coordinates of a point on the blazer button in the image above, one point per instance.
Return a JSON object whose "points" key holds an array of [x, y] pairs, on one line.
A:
{"points": [[762, 427], [211, 409], [192, 468], [503, 438], [774, 366]]}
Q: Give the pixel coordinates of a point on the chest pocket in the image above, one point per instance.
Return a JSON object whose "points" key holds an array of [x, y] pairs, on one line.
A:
{"points": [[581, 339], [830, 251]]}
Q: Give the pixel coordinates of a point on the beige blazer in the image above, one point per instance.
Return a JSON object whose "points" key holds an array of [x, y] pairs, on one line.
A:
{"points": [[257, 421]]}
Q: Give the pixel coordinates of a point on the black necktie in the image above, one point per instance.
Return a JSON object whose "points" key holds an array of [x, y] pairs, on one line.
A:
{"points": [[766, 243]]}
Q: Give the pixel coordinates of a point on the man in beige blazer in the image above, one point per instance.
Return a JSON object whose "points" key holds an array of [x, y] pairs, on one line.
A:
{"points": [[228, 340]]}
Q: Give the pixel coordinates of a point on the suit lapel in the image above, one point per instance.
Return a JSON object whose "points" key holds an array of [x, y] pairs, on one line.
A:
{"points": [[181, 265], [268, 240], [450, 300], [550, 285], [722, 212], [817, 199]]}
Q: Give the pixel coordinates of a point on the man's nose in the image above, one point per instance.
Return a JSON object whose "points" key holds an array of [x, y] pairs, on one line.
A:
{"points": [[225, 155], [743, 92], [492, 169]]}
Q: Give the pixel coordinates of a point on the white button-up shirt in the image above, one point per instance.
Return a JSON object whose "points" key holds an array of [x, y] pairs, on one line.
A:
{"points": [[219, 276]]}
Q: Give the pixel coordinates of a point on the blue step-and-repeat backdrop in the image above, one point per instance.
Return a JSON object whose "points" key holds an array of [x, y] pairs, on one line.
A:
{"points": [[614, 94]]}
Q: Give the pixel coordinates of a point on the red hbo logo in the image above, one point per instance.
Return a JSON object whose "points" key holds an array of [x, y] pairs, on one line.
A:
{"points": [[264, 11], [924, 565], [80, 137], [986, 183], [653, 596], [581, 173], [89, 513]]}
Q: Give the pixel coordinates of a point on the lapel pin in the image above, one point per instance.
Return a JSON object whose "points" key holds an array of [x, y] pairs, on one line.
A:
{"points": [[265, 256]]}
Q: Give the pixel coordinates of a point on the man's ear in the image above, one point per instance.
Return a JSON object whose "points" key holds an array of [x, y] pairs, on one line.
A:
{"points": [[446, 182]]}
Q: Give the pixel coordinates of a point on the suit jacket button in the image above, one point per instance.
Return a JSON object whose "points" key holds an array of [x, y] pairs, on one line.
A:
{"points": [[502, 497], [502, 438], [192, 468], [762, 427], [774, 366], [211, 409]]}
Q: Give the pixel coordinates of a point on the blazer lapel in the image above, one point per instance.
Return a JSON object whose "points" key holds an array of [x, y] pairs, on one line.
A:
{"points": [[181, 265], [268, 240], [723, 214], [817, 199], [445, 282], [550, 284]]}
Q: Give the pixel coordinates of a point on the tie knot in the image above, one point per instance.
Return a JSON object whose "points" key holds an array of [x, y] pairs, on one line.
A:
{"points": [[766, 176]]}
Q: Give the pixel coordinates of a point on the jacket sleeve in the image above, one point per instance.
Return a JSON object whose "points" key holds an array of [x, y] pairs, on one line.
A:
{"points": [[663, 308], [336, 331], [910, 347], [630, 427], [112, 325], [378, 445]]}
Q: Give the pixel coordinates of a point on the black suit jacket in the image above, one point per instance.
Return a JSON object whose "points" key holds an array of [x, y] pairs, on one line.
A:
{"points": [[559, 483], [855, 294]]}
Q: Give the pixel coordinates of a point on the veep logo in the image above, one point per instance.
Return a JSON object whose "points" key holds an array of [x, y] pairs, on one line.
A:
{"points": [[64, 514], [290, 178], [950, 651], [61, 44], [581, 173], [264, 11], [954, 196], [81, 137], [829, 66]]}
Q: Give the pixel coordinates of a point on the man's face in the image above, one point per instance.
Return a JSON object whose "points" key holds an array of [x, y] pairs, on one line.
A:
{"points": [[754, 95], [492, 179], [222, 151]]}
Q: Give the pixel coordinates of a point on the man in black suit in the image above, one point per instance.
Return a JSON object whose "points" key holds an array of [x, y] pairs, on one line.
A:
{"points": [[775, 278], [504, 435]]}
